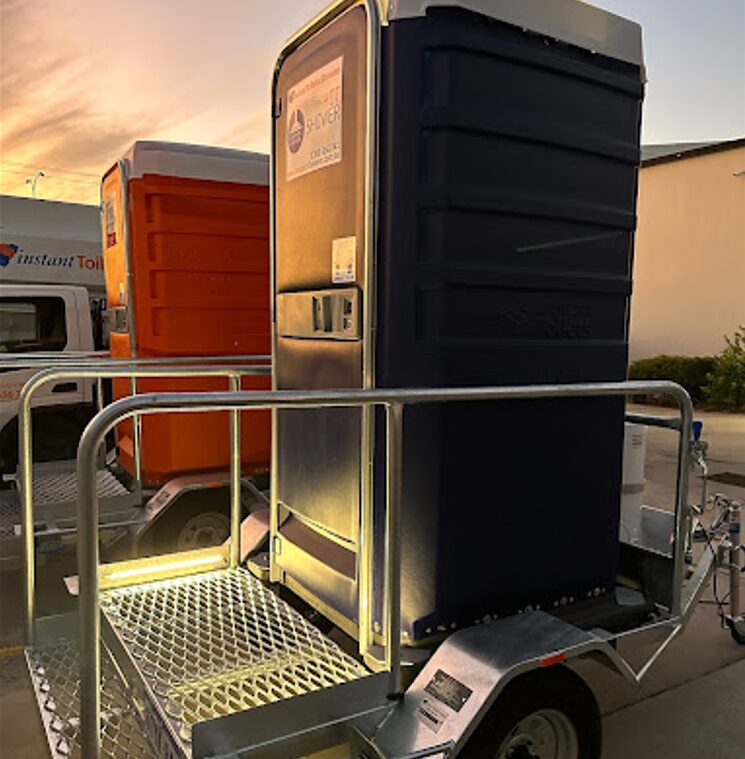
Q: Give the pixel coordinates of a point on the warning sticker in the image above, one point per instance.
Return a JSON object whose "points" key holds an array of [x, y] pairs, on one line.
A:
{"points": [[343, 259], [431, 715], [314, 120]]}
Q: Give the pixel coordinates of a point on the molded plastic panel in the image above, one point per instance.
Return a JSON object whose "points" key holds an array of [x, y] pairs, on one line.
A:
{"points": [[320, 253], [506, 206], [200, 276]]}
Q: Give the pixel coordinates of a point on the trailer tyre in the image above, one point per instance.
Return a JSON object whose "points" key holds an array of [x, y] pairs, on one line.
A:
{"points": [[198, 519], [545, 714], [738, 634], [203, 530]]}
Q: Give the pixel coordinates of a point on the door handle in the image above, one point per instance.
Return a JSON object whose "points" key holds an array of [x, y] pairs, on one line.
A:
{"points": [[65, 387]]}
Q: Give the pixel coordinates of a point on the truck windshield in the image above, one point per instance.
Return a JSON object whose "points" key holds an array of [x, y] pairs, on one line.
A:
{"points": [[32, 324]]}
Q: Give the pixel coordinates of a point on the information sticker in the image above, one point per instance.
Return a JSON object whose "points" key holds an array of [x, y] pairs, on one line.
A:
{"points": [[343, 259], [431, 715], [109, 217], [448, 690], [314, 121]]}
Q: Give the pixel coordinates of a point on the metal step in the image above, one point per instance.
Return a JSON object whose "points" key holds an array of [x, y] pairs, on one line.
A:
{"points": [[10, 541], [54, 675], [213, 644], [55, 491], [10, 514], [53, 485]]}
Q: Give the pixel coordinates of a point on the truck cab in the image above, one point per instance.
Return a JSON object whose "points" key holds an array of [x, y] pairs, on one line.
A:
{"points": [[44, 319]]}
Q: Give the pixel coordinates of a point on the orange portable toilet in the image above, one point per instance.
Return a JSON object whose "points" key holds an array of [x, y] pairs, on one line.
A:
{"points": [[186, 255]]}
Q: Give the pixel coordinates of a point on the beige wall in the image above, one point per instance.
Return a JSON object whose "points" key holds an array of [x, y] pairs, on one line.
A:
{"points": [[689, 267]]}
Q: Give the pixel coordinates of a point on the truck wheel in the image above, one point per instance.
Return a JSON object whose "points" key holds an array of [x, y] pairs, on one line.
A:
{"points": [[545, 714]]}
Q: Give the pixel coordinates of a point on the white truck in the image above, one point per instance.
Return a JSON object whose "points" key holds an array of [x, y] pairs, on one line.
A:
{"points": [[51, 300]]}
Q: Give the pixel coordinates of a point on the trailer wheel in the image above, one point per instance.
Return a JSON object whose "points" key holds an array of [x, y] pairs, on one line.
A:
{"points": [[203, 531], [545, 714], [737, 635], [198, 519]]}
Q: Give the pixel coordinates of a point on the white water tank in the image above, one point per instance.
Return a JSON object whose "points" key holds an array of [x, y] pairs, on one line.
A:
{"points": [[632, 491]]}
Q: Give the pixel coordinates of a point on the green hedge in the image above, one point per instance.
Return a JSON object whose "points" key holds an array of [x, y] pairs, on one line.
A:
{"points": [[692, 372], [726, 386]]}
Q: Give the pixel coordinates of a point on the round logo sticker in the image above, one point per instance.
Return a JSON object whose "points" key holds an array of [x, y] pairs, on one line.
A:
{"points": [[296, 130]]}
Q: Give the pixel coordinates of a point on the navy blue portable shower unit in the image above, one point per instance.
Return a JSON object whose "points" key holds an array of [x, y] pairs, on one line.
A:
{"points": [[468, 223]]}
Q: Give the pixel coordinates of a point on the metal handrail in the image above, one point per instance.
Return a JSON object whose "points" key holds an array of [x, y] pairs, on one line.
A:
{"points": [[47, 360], [232, 373], [393, 401], [51, 355]]}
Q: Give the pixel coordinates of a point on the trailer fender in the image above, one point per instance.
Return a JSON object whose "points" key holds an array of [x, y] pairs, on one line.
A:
{"points": [[164, 512], [464, 677]]}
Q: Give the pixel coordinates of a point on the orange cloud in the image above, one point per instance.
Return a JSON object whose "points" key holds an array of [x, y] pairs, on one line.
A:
{"points": [[82, 79], [51, 119]]}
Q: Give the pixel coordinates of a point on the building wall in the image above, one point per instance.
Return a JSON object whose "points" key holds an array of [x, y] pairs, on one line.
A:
{"points": [[689, 268]]}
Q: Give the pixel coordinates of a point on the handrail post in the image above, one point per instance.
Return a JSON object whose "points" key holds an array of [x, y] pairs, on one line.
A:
{"points": [[136, 435], [26, 482], [99, 394], [90, 620], [681, 499], [735, 561], [235, 478], [99, 407], [394, 493]]}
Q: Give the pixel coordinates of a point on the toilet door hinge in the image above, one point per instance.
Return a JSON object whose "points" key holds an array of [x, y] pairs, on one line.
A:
{"points": [[277, 545]]}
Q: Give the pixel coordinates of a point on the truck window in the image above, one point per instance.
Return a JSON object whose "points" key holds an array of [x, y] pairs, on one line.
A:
{"points": [[32, 324]]}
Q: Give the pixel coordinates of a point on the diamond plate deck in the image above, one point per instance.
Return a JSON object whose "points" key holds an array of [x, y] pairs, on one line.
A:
{"points": [[9, 513], [54, 676], [216, 643], [55, 495], [54, 487]]}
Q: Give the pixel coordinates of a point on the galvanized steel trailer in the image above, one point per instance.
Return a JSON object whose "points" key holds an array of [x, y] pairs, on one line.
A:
{"points": [[216, 664]]}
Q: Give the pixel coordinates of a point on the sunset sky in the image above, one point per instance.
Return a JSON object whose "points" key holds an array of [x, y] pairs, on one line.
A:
{"points": [[82, 79]]}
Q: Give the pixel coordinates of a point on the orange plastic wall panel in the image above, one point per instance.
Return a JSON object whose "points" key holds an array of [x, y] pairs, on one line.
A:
{"points": [[200, 278], [115, 274]]}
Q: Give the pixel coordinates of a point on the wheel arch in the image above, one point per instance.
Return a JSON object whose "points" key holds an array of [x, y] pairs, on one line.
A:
{"points": [[476, 664]]}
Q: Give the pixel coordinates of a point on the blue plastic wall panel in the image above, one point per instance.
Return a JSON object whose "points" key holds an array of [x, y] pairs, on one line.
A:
{"points": [[507, 211]]}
